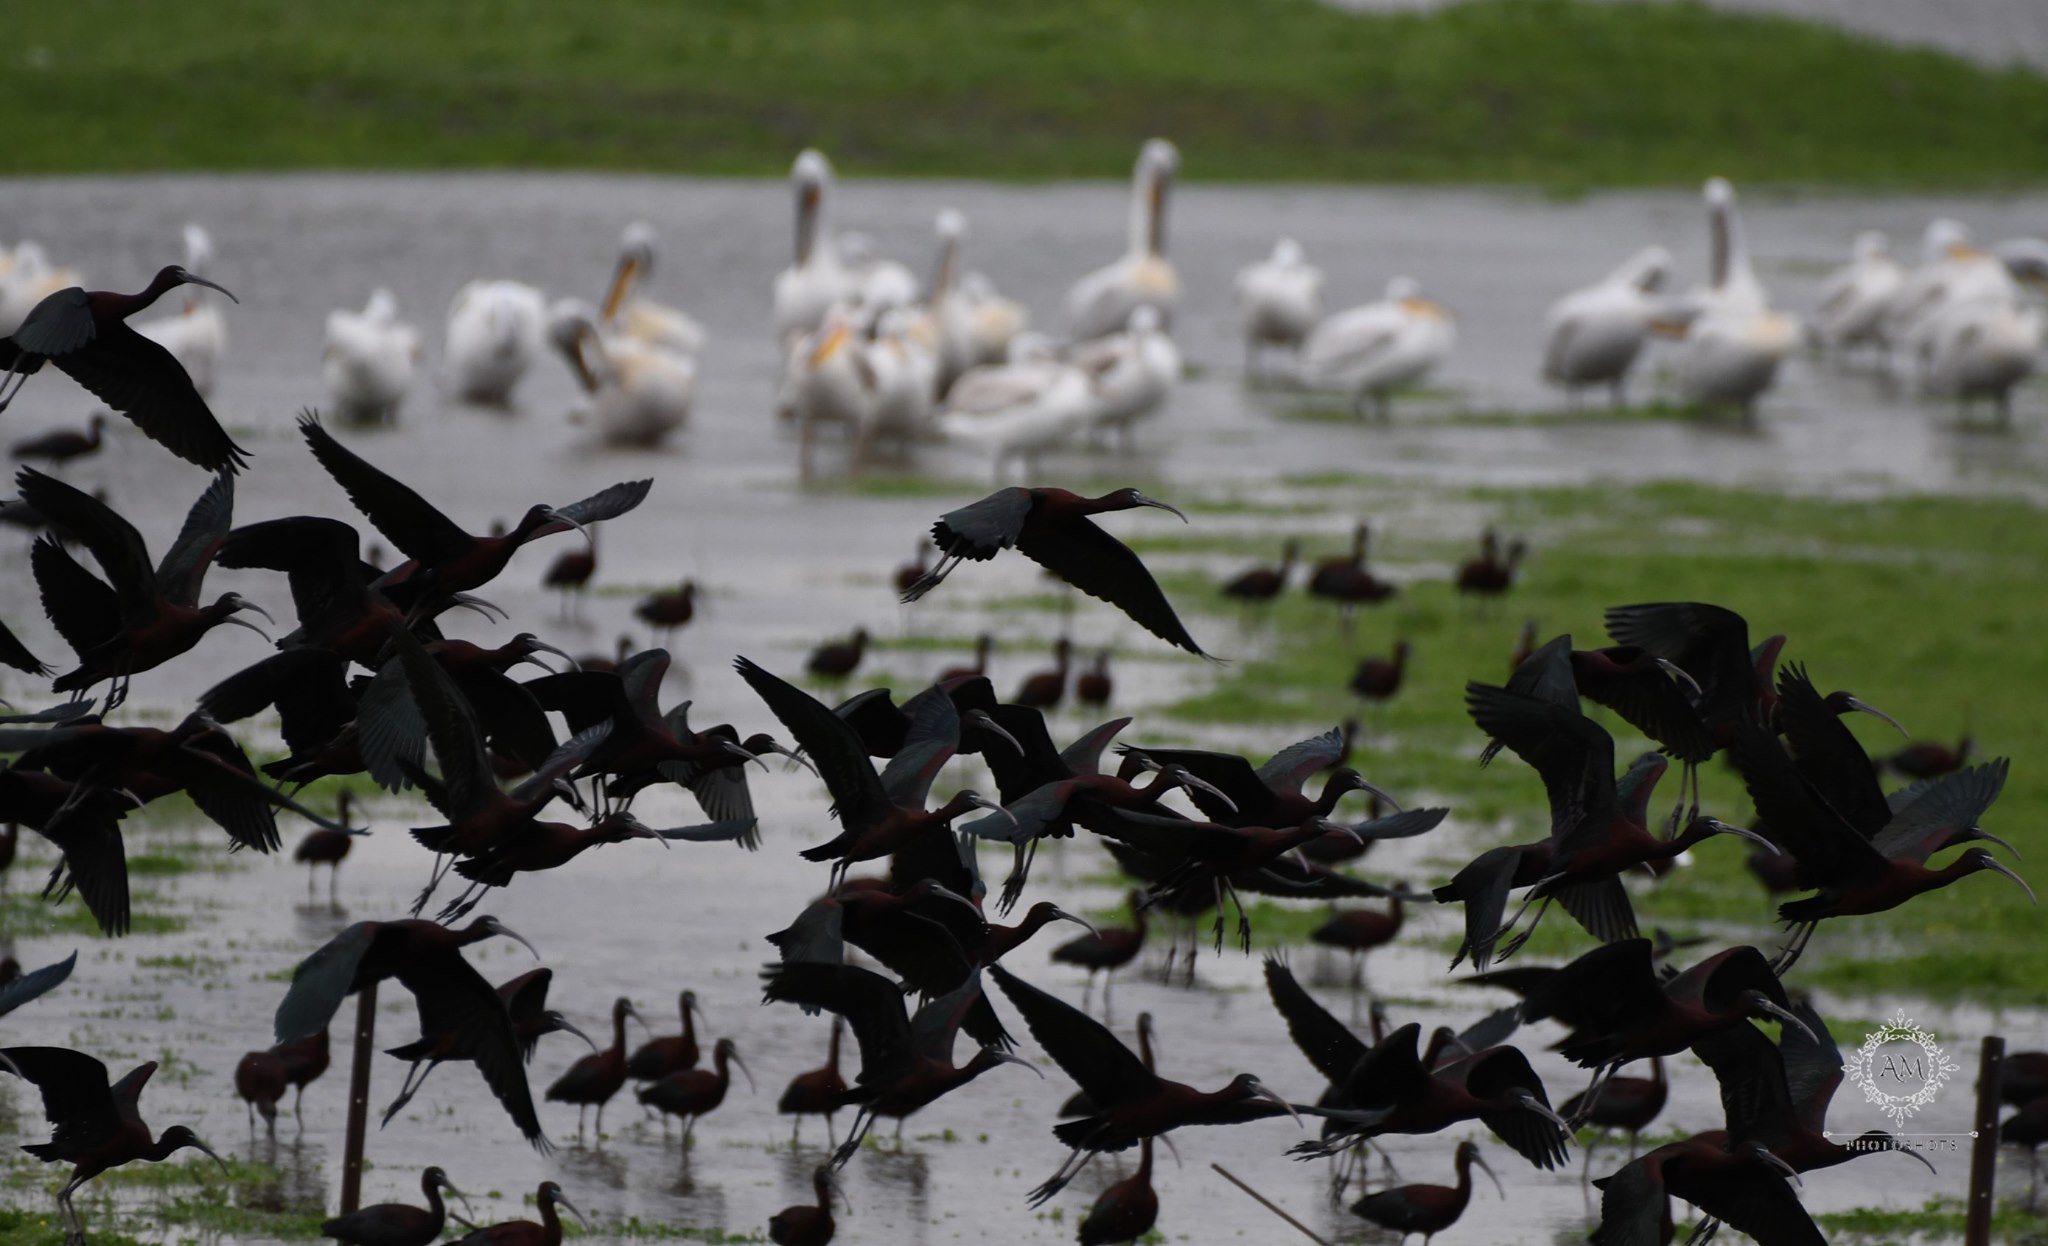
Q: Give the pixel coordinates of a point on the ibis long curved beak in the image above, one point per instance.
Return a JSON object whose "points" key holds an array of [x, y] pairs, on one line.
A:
{"points": [[518, 938], [559, 517], [635, 1014], [743, 1068], [449, 1186], [562, 1200], [1146, 500], [1328, 826], [232, 621], [794, 756], [1385, 796], [982, 802], [1531, 1103], [225, 1170], [194, 279], [564, 1024], [636, 829], [242, 603], [1007, 1057], [1789, 1018], [1271, 1097], [1865, 707], [1677, 672], [1999, 867], [1987, 835], [1061, 914], [488, 609], [1185, 779], [1742, 832], [1764, 1153], [734, 750], [981, 719], [544, 647], [1480, 1162]]}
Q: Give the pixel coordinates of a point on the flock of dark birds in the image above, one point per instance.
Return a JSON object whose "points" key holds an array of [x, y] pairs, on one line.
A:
{"points": [[367, 684]]}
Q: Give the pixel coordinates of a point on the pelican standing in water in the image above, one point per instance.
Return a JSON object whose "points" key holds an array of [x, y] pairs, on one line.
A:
{"points": [[1280, 298], [1130, 374], [495, 332], [1981, 348], [1102, 302], [197, 334], [815, 280], [877, 285], [626, 314], [370, 358], [1378, 348], [30, 278], [1735, 342], [1597, 333], [1856, 296], [830, 381], [1018, 409], [638, 393]]}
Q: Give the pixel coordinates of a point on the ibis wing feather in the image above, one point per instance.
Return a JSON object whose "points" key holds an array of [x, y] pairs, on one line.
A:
{"points": [[1096, 1059], [405, 518], [140, 379], [1105, 568], [1327, 1043], [34, 983]]}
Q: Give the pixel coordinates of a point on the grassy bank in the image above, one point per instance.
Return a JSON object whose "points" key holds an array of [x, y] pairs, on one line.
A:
{"points": [[1560, 93], [1923, 606]]}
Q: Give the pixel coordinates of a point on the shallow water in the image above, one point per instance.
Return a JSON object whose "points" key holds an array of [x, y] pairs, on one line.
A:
{"points": [[787, 564]]}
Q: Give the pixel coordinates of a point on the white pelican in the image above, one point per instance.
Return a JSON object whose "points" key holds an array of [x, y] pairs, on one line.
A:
{"points": [[1735, 342], [1130, 373], [989, 321], [1378, 348], [638, 393], [495, 332], [1281, 298], [644, 320], [370, 358], [30, 278], [196, 336], [816, 279], [829, 380], [1102, 301], [902, 368], [1952, 272], [1980, 349], [1856, 296], [1596, 333], [1018, 409], [877, 285]]}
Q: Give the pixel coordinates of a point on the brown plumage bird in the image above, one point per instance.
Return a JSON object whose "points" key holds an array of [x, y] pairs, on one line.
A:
{"points": [[838, 659], [1044, 690], [1093, 687], [1492, 573], [323, 846], [63, 445], [260, 1081], [1263, 584], [984, 644], [819, 1092], [1378, 679], [668, 611], [569, 574]]}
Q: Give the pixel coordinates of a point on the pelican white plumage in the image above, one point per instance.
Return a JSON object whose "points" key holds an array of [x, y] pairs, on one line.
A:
{"points": [[197, 334], [1980, 349], [1018, 409], [1735, 342], [28, 280], [829, 380], [1595, 334], [903, 369], [1376, 349], [877, 285], [495, 332], [370, 358], [1280, 299], [815, 279], [1102, 301], [627, 314], [1130, 373], [1953, 272], [638, 393], [1855, 297]]}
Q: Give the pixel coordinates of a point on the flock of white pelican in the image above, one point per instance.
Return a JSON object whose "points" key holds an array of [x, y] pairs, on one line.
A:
{"points": [[875, 356]]}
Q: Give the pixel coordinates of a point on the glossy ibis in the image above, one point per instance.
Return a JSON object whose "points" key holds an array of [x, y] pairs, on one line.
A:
{"points": [[1745, 1186], [305, 1059], [526, 999], [668, 610], [87, 336], [569, 574], [63, 445], [452, 560], [1924, 759], [1051, 527], [1493, 572], [1358, 931], [1131, 1102], [1346, 581], [427, 961], [1206, 855], [877, 819], [83, 821], [525, 1232], [1044, 690], [1525, 645], [1105, 950], [141, 616], [837, 659], [1127, 1210], [261, 1080], [1426, 1209], [1377, 679], [98, 1126], [595, 1078], [1239, 794], [808, 1224], [672, 1053], [1262, 584], [905, 1063], [984, 644], [1093, 687], [1629, 1103], [329, 848], [397, 1224], [691, 1093], [818, 1092]]}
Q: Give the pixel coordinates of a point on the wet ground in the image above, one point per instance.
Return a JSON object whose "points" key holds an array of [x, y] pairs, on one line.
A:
{"points": [[788, 563]]}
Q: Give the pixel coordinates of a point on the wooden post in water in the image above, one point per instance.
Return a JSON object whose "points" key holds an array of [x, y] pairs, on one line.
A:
{"points": [[1984, 1151], [358, 1099], [1270, 1205]]}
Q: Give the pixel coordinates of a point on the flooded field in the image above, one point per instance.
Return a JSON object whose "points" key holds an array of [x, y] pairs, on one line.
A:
{"points": [[788, 563]]}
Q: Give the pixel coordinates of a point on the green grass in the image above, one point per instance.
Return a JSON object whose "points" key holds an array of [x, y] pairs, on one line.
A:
{"points": [[1927, 607], [1937, 1220], [1561, 93]]}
